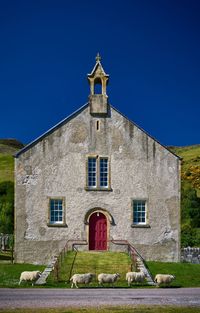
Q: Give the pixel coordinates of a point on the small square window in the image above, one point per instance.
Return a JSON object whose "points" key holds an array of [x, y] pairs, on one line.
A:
{"points": [[139, 212], [56, 212]]}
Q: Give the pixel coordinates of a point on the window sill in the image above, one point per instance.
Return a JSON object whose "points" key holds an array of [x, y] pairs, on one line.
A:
{"points": [[140, 226], [98, 189], [56, 225]]}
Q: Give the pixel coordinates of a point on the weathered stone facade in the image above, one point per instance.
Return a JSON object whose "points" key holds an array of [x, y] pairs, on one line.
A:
{"points": [[55, 166]]}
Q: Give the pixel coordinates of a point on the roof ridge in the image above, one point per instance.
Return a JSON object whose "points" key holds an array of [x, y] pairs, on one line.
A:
{"points": [[62, 122]]}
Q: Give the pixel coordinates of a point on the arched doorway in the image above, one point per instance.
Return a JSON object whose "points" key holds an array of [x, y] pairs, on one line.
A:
{"points": [[97, 231]]}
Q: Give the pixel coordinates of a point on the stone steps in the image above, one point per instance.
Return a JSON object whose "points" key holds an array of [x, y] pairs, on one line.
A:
{"points": [[140, 265], [43, 278]]}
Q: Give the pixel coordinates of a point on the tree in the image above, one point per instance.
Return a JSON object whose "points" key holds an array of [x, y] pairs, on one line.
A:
{"points": [[190, 205], [7, 207], [190, 216]]}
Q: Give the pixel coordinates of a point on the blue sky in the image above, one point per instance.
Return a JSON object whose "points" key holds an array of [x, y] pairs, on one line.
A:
{"points": [[150, 49]]}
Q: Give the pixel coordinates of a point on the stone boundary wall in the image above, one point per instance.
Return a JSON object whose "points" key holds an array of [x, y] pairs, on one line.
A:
{"points": [[190, 255]]}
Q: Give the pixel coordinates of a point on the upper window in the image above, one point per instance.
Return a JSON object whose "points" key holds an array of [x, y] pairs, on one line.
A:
{"points": [[97, 173], [92, 172], [56, 211], [139, 212], [103, 172]]}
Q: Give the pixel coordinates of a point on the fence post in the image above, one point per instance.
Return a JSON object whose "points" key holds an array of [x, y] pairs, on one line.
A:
{"points": [[12, 249], [56, 270]]}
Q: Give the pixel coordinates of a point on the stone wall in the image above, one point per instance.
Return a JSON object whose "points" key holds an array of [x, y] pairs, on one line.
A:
{"points": [[191, 255], [55, 166]]}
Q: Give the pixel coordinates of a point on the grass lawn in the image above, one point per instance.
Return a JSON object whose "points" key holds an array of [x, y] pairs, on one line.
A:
{"points": [[93, 262], [106, 309], [10, 274], [187, 274]]}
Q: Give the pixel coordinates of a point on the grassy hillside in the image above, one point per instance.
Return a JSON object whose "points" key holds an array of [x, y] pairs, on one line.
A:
{"points": [[8, 147], [190, 171]]}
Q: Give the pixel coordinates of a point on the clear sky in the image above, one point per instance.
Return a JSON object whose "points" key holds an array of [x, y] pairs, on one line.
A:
{"points": [[150, 49]]}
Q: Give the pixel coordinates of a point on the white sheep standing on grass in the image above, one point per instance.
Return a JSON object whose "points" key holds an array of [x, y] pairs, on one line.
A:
{"points": [[164, 279], [29, 276], [81, 279], [108, 278], [137, 277]]}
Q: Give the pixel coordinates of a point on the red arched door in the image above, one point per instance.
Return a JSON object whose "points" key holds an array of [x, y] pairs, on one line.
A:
{"points": [[97, 232]]}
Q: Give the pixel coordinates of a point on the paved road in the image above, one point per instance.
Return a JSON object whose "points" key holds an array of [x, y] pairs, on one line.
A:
{"points": [[49, 298]]}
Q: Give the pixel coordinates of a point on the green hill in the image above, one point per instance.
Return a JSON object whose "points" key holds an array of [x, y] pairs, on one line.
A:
{"points": [[190, 194], [190, 171], [8, 147]]}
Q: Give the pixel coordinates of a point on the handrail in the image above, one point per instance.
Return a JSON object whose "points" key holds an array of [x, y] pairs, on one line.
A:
{"points": [[131, 247], [127, 243], [77, 242], [70, 272]]}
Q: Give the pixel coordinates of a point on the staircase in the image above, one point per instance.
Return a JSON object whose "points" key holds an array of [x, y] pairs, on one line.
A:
{"points": [[46, 272]]}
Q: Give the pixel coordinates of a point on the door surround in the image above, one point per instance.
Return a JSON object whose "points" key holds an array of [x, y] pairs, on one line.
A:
{"points": [[98, 236], [109, 220]]}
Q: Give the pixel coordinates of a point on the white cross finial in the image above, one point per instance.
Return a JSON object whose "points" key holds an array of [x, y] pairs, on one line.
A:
{"points": [[98, 57]]}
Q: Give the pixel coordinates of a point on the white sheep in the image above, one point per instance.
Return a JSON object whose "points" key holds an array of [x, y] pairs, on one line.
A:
{"points": [[29, 276], [107, 278], [137, 277], [164, 279], [81, 279]]}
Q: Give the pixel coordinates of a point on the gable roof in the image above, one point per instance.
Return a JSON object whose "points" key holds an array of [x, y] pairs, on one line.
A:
{"points": [[98, 64], [74, 114]]}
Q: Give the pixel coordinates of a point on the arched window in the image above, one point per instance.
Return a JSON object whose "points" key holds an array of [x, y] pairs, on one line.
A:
{"points": [[97, 86]]}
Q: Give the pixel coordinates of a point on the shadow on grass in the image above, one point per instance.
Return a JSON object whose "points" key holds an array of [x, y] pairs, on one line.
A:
{"points": [[5, 257]]}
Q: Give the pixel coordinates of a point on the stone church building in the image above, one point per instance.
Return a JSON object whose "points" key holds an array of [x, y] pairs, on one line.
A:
{"points": [[93, 178]]}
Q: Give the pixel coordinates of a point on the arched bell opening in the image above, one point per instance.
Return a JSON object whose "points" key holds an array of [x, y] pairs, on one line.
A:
{"points": [[98, 87]]}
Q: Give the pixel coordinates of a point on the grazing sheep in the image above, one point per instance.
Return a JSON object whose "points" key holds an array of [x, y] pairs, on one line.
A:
{"points": [[81, 279], [164, 279], [29, 276], [107, 278], [137, 277]]}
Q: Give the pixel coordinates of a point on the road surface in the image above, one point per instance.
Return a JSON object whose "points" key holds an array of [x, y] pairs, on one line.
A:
{"points": [[50, 298]]}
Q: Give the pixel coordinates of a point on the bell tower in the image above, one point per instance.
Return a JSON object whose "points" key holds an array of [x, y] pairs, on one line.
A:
{"points": [[98, 80]]}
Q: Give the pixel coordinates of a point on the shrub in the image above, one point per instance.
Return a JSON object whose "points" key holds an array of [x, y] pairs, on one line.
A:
{"points": [[7, 207]]}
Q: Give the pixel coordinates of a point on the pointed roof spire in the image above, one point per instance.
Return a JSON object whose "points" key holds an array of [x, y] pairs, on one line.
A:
{"points": [[98, 68]]}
